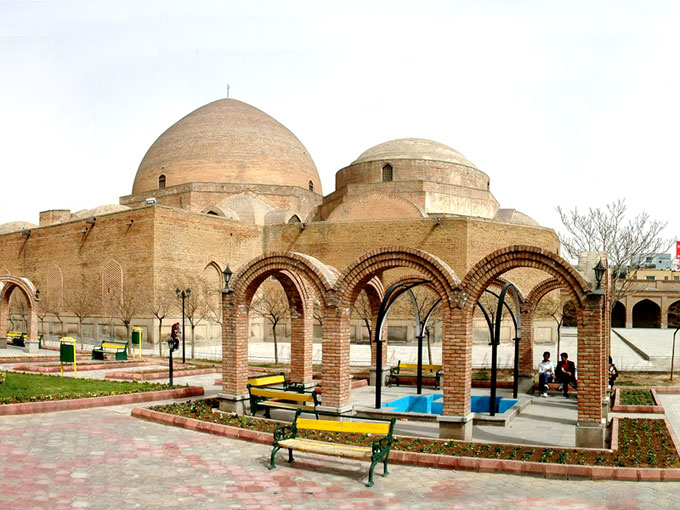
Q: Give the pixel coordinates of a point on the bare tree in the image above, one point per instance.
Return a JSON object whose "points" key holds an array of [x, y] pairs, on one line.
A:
{"points": [[362, 310], [196, 309], [127, 309], [558, 310], [163, 304], [270, 303], [79, 302], [626, 241], [425, 299]]}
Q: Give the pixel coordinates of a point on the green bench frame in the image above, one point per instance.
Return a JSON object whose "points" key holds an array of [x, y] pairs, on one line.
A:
{"points": [[119, 349], [266, 398], [379, 451], [430, 373], [18, 338]]}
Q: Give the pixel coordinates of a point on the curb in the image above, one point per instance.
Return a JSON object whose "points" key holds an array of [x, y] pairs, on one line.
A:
{"points": [[86, 403], [158, 375], [655, 409], [546, 470], [49, 369]]}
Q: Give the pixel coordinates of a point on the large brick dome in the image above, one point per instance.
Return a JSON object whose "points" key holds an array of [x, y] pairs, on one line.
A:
{"points": [[227, 141]]}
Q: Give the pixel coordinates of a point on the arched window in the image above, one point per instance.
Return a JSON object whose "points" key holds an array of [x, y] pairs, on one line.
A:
{"points": [[161, 181], [311, 186], [387, 173]]}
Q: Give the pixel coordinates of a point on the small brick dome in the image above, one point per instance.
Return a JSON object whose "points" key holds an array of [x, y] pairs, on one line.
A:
{"points": [[227, 141], [413, 148], [413, 159]]}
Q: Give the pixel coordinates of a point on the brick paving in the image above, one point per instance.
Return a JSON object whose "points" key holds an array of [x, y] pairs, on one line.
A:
{"points": [[103, 458]]}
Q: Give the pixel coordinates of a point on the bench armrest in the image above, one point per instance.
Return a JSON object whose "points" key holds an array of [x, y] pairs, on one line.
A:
{"points": [[294, 386], [284, 432], [381, 445]]}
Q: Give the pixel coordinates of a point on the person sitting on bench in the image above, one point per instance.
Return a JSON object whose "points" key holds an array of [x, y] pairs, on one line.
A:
{"points": [[566, 374], [546, 372]]}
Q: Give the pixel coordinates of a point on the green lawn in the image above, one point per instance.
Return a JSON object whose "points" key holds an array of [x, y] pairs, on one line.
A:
{"points": [[33, 388]]}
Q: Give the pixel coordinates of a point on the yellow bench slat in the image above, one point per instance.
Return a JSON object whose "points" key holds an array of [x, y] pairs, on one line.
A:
{"points": [[266, 380], [113, 346], [338, 450], [284, 395], [414, 366], [343, 426], [283, 405]]}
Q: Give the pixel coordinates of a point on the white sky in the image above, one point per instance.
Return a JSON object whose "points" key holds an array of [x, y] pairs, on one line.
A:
{"points": [[560, 103]]}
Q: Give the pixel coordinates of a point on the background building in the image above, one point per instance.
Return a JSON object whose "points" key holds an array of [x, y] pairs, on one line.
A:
{"points": [[227, 183]]}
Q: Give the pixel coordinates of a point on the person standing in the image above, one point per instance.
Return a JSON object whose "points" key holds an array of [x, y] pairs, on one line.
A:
{"points": [[546, 372]]}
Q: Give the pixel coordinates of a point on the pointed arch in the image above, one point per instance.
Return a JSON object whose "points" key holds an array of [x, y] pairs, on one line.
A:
{"points": [[112, 285]]}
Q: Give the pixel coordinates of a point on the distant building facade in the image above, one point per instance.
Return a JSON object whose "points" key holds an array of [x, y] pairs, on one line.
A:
{"points": [[227, 183]]}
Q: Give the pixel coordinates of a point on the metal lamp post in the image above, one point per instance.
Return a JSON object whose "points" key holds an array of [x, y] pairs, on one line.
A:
{"points": [[183, 294]]}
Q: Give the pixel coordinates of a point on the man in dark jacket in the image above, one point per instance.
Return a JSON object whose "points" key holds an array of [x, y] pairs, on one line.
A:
{"points": [[566, 373]]}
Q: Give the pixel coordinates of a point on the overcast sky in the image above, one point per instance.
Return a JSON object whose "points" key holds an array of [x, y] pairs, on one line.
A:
{"points": [[560, 103]]}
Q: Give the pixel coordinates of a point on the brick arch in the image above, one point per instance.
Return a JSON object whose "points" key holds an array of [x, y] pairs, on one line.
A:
{"points": [[112, 285], [319, 276], [55, 286], [355, 277], [541, 290], [303, 279], [7, 286], [349, 284], [505, 259]]}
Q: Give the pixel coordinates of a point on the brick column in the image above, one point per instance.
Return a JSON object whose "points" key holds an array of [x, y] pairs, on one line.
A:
{"points": [[301, 339], [4, 314], [234, 354], [526, 350], [590, 431], [629, 312], [456, 420], [335, 361]]}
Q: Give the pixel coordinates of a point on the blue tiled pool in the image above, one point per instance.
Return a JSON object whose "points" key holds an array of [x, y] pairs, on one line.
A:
{"points": [[432, 404]]}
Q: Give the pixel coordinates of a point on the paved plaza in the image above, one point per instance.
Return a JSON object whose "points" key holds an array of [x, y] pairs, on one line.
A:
{"points": [[104, 459]]}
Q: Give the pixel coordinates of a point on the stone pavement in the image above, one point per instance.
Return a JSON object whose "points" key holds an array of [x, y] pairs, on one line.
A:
{"points": [[104, 459]]}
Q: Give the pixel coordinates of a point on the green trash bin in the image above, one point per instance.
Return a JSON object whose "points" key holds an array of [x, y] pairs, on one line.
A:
{"points": [[136, 336], [67, 354]]}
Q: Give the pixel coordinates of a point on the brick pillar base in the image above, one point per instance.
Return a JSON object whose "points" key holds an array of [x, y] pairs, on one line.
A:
{"points": [[455, 427], [525, 383], [346, 409], [31, 346], [590, 435], [239, 404], [372, 378]]}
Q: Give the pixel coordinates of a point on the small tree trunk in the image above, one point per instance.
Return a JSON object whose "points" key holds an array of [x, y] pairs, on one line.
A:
{"points": [[276, 344], [160, 340], [559, 338], [129, 340], [429, 346], [80, 332], [193, 342]]}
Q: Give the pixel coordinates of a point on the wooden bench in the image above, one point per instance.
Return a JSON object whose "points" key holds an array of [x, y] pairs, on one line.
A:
{"points": [[266, 398], [119, 349], [379, 451], [17, 338], [410, 371], [276, 379]]}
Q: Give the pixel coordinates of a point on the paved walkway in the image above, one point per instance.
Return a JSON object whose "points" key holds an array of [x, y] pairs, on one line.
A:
{"points": [[104, 459]]}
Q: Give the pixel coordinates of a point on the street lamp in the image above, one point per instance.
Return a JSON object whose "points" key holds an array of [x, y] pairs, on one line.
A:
{"points": [[227, 278], [599, 273], [183, 294]]}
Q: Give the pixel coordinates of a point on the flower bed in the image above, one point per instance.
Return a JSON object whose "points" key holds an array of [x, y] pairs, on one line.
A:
{"points": [[636, 398], [639, 400], [643, 442]]}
